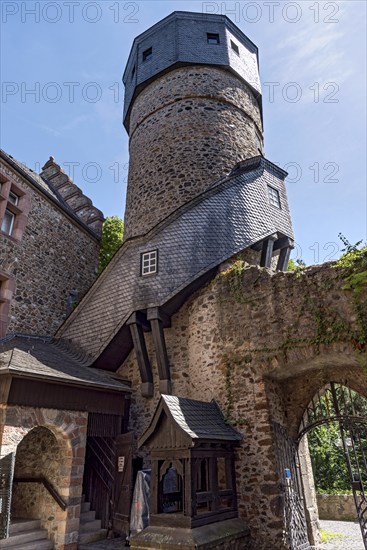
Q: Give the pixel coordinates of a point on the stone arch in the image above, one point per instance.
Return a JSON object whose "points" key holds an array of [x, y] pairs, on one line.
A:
{"points": [[65, 432], [41, 455]]}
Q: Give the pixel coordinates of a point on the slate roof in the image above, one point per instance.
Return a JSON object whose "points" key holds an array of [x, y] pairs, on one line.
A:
{"points": [[44, 186], [47, 359], [227, 218], [179, 39], [198, 419]]}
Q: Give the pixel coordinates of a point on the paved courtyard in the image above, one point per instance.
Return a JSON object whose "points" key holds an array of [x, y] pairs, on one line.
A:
{"points": [[349, 538]]}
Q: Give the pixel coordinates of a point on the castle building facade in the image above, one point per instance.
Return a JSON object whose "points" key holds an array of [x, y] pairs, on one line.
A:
{"points": [[194, 354]]}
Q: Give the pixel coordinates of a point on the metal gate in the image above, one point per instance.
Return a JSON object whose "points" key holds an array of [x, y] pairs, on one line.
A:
{"points": [[337, 403], [6, 480], [295, 527]]}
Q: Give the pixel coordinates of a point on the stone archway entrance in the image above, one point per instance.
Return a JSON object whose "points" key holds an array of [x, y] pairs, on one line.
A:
{"points": [[338, 404], [38, 476]]}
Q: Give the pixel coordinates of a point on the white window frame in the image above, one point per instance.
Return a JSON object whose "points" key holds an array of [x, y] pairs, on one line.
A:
{"points": [[12, 219], [274, 196], [149, 263], [13, 198]]}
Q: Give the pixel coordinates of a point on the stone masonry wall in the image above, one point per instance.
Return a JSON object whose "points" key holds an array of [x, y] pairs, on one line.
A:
{"points": [[49, 443], [337, 507], [54, 257], [188, 128], [261, 345]]}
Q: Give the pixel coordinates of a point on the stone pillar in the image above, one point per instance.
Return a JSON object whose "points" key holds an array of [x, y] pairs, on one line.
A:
{"points": [[310, 501]]}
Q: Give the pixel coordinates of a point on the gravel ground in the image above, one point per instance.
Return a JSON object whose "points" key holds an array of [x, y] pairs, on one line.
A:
{"points": [[351, 538], [351, 535]]}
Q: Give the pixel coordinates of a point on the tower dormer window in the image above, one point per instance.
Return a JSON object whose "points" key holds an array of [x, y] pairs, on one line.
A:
{"points": [[235, 47], [212, 38], [274, 197], [147, 54], [149, 262]]}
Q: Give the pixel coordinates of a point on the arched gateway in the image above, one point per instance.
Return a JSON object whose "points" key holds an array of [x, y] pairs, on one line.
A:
{"points": [[333, 403]]}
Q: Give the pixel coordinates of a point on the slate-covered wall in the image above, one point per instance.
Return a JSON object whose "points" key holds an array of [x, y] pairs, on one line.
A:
{"points": [[54, 257], [188, 128], [254, 342]]}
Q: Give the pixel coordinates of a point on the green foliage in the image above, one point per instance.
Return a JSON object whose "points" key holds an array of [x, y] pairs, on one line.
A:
{"points": [[295, 265], [354, 265], [112, 236], [328, 460]]}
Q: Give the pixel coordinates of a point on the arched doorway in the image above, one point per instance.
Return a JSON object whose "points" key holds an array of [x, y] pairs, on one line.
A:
{"points": [[39, 473], [346, 408]]}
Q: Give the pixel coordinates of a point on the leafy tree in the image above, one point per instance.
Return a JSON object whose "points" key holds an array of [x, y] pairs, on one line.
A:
{"points": [[112, 236], [328, 460]]}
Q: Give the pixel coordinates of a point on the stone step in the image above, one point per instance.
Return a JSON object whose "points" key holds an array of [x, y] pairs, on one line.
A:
{"points": [[87, 516], [85, 507], [44, 544], [89, 526], [94, 536], [19, 525], [19, 540]]}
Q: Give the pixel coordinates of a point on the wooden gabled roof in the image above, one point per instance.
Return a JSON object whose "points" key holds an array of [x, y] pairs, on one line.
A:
{"points": [[196, 420]]}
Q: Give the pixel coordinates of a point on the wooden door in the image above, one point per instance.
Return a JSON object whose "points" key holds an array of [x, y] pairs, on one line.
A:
{"points": [[123, 483]]}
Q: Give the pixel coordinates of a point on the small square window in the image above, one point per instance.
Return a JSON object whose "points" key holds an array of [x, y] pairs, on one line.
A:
{"points": [[149, 262], [8, 222], [147, 54], [13, 198], [274, 197], [235, 47], [212, 38]]}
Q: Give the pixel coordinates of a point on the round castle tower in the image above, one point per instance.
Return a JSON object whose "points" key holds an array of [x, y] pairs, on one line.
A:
{"points": [[192, 111]]}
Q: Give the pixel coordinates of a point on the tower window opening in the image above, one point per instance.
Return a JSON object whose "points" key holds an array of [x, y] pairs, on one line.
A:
{"points": [[274, 197], [147, 54], [235, 47], [212, 38], [149, 262], [133, 72]]}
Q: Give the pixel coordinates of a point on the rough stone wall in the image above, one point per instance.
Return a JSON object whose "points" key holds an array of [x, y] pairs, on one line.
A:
{"points": [[53, 257], [261, 345], [337, 507], [50, 443], [188, 129]]}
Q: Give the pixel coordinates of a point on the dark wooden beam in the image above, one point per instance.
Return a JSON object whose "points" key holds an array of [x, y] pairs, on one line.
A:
{"points": [[155, 316], [283, 243], [267, 251], [136, 322], [283, 258]]}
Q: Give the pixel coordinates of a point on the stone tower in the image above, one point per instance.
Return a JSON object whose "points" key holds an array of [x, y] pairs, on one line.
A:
{"points": [[192, 111]]}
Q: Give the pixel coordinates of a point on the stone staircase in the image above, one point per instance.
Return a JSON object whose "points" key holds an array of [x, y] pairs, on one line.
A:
{"points": [[90, 529], [26, 534]]}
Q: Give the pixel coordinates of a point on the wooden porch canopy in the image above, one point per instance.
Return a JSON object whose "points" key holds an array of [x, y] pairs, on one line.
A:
{"points": [[192, 454], [38, 372]]}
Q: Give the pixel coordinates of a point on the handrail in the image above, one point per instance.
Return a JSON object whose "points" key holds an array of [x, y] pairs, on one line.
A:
{"points": [[47, 485]]}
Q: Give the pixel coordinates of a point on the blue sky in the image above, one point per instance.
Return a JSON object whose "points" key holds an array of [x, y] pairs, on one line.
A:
{"points": [[312, 63]]}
